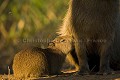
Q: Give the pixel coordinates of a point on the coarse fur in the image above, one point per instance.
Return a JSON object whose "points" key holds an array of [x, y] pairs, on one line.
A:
{"points": [[36, 62], [93, 24], [68, 45], [93, 59], [30, 62], [72, 59]]}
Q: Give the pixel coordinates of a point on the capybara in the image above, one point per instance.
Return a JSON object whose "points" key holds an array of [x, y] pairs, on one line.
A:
{"points": [[36, 62], [93, 24], [68, 45], [93, 59], [72, 59]]}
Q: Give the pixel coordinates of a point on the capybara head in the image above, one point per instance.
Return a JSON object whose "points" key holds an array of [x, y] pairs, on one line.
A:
{"points": [[62, 43]]}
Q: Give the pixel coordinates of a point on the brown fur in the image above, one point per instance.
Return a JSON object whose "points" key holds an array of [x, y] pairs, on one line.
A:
{"points": [[30, 62], [89, 21], [35, 62], [93, 60], [68, 47], [73, 60]]}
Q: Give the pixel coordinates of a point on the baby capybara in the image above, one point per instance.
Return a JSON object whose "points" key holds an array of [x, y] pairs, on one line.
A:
{"points": [[36, 62]]}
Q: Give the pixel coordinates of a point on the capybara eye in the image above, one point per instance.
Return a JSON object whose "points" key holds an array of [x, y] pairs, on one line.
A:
{"points": [[63, 40]]}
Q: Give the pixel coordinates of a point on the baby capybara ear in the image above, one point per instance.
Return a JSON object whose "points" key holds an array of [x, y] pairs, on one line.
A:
{"points": [[51, 44]]}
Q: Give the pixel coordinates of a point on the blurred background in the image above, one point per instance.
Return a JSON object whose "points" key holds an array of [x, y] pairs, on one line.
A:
{"points": [[27, 23]]}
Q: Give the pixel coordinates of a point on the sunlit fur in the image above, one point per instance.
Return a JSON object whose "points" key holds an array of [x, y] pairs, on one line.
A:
{"points": [[36, 62], [93, 20]]}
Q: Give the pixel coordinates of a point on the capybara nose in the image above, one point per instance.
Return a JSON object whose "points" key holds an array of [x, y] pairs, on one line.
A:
{"points": [[51, 44]]}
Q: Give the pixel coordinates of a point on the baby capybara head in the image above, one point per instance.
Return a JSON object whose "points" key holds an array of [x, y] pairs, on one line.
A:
{"points": [[62, 43]]}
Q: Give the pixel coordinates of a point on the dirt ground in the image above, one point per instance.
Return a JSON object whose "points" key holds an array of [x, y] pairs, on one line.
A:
{"points": [[115, 76]]}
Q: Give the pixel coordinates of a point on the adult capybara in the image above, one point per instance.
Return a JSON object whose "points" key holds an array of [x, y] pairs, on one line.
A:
{"points": [[35, 62], [94, 59], [93, 25]]}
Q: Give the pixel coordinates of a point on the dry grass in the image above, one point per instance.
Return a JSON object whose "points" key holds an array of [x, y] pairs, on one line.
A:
{"points": [[68, 76]]}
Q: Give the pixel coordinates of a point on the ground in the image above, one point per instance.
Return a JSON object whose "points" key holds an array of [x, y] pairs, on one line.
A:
{"points": [[115, 76]]}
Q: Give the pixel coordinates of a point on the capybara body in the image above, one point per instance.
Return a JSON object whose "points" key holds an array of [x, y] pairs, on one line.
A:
{"points": [[36, 62], [93, 25], [66, 43], [72, 59], [30, 62]]}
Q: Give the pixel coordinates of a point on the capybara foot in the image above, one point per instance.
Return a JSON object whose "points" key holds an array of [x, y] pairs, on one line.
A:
{"points": [[84, 71], [105, 71]]}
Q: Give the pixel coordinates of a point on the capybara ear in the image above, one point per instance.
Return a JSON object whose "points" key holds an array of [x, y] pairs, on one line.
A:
{"points": [[51, 44]]}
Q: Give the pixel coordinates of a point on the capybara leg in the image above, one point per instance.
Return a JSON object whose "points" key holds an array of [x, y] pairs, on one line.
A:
{"points": [[82, 58], [104, 60]]}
